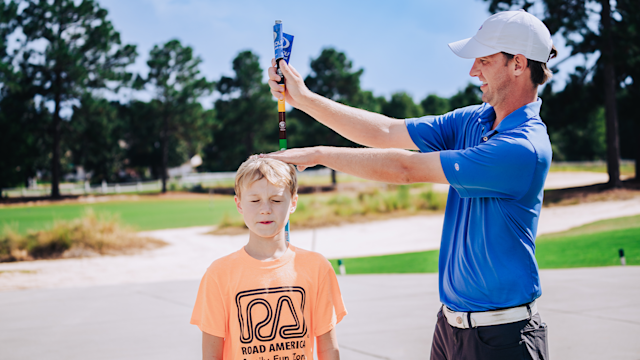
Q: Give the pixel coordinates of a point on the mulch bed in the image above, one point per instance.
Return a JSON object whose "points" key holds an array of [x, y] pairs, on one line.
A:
{"points": [[598, 192]]}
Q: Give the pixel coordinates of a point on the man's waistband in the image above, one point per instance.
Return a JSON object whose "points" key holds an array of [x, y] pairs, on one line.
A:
{"points": [[466, 320]]}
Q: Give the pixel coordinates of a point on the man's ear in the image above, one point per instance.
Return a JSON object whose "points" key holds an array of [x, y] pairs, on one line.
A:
{"points": [[294, 204], [238, 206], [519, 63]]}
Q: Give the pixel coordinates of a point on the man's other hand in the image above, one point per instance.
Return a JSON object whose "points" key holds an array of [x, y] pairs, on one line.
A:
{"points": [[302, 158]]}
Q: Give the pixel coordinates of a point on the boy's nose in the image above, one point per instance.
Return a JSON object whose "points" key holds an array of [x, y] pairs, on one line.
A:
{"points": [[265, 208]]}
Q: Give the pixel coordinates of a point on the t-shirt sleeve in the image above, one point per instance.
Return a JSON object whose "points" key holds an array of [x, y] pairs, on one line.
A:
{"points": [[329, 309], [210, 310], [502, 167]]}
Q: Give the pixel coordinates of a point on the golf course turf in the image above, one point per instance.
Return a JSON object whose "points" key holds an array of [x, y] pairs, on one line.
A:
{"points": [[595, 244], [142, 214]]}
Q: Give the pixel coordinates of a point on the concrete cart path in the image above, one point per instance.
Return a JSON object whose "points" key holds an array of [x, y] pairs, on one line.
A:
{"points": [[191, 250], [592, 314]]}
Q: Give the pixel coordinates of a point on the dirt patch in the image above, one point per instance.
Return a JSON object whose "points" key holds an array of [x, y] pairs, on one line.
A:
{"points": [[591, 193]]}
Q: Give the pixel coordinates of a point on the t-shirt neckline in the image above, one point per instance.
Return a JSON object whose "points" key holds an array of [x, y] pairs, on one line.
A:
{"points": [[268, 264]]}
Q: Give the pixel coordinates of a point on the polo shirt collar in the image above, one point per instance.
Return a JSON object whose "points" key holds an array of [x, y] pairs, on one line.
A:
{"points": [[488, 116], [523, 114]]}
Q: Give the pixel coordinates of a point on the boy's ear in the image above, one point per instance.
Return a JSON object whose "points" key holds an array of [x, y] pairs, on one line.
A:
{"points": [[294, 203], [238, 206]]}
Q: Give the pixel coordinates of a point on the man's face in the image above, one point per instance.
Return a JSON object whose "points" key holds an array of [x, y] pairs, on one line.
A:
{"points": [[266, 207], [495, 77]]}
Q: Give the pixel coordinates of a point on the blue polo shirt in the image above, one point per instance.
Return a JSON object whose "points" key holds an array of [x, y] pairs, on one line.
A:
{"points": [[497, 176]]}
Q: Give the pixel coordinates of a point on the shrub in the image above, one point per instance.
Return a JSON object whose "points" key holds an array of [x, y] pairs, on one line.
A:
{"points": [[324, 209], [87, 236]]}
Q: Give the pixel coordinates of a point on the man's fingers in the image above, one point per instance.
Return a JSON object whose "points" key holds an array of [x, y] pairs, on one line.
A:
{"points": [[293, 70], [273, 75], [286, 70], [275, 86], [273, 62], [301, 168], [276, 90], [276, 94]]}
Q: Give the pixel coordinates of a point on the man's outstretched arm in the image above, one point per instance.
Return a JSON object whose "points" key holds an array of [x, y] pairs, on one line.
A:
{"points": [[386, 165], [360, 126]]}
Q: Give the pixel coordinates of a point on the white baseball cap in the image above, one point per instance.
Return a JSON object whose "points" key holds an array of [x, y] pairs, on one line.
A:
{"points": [[514, 32]]}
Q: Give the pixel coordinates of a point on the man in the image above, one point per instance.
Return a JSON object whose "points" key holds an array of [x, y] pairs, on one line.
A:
{"points": [[495, 156]]}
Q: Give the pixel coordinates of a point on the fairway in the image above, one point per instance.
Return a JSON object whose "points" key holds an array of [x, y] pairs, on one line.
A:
{"points": [[590, 245], [142, 214]]}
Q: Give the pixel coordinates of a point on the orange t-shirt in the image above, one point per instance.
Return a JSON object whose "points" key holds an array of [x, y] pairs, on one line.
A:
{"points": [[269, 310]]}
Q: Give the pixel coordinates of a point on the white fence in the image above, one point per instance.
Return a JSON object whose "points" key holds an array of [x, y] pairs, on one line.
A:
{"points": [[184, 182], [86, 189]]}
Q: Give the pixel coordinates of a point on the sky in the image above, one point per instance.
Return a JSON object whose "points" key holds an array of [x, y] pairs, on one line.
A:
{"points": [[401, 45]]}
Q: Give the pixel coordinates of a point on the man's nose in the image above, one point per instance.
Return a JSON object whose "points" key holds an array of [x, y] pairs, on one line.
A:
{"points": [[474, 69]]}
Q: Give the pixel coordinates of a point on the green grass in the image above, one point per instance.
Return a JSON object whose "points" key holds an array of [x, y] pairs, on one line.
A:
{"points": [[417, 262], [149, 213], [594, 244], [143, 214]]}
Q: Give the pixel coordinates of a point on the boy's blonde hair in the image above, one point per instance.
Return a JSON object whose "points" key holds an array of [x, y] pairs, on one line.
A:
{"points": [[275, 171]]}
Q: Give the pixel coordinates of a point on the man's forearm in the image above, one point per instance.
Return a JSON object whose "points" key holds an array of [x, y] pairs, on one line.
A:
{"points": [[357, 125], [360, 126], [386, 165]]}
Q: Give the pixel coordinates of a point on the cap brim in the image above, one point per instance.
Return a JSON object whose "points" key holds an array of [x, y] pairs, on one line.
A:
{"points": [[470, 49]]}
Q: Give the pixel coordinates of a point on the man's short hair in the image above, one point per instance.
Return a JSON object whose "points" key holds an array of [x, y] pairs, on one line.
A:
{"points": [[540, 73], [275, 171]]}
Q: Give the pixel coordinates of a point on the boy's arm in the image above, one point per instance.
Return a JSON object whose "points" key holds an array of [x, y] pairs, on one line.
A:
{"points": [[212, 347], [328, 346]]}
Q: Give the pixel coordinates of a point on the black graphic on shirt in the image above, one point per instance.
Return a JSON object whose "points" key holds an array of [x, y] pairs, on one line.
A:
{"points": [[279, 311]]}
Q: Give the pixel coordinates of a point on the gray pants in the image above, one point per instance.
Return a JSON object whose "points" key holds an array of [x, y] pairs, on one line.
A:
{"points": [[526, 340]]}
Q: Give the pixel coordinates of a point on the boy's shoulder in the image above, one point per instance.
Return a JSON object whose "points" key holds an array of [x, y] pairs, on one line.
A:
{"points": [[226, 262], [309, 255]]}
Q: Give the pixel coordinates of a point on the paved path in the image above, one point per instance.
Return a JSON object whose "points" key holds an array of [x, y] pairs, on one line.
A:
{"points": [[592, 315], [191, 251]]}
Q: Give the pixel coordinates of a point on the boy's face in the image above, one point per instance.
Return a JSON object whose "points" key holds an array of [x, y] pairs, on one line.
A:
{"points": [[266, 207]]}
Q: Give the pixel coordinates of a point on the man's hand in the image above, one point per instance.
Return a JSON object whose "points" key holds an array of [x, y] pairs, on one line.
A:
{"points": [[302, 157], [296, 90]]}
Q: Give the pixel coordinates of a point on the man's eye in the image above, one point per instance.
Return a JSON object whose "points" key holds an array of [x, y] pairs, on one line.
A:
{"points": [[276, 201], [255, 201]]}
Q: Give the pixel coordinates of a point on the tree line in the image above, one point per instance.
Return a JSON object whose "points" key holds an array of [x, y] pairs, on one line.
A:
{"points": [[593, 117], [66, 57]]}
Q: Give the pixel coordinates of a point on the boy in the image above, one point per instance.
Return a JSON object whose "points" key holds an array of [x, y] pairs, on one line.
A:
{"points": [[269, 300]]}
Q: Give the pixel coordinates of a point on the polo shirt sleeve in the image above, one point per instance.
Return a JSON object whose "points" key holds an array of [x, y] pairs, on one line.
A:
{"points": [[502, 167], [433, 133]]}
